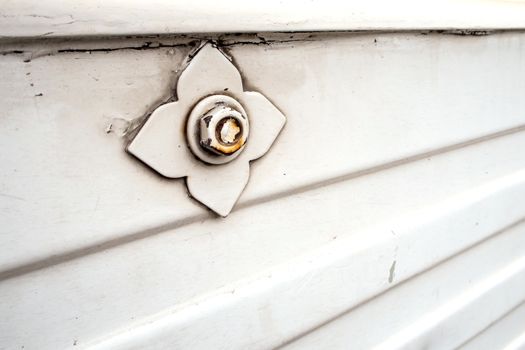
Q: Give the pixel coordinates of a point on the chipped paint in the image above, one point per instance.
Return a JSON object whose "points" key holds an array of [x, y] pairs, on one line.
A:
{"points": [[392, 272]]}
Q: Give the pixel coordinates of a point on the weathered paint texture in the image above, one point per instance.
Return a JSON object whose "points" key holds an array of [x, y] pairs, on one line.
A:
{"points": [[388, 213]]}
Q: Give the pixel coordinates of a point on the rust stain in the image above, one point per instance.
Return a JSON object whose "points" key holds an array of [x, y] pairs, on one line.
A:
{"points": [[224, 149], [229, 137]]}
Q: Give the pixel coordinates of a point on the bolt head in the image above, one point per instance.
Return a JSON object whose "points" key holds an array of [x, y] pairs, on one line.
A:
{"points": [[217, 129], [223, 130]]}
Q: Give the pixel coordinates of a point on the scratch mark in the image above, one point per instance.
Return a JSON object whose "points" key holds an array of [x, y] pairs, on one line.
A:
{"points": [[392, 272], [12, 197]]}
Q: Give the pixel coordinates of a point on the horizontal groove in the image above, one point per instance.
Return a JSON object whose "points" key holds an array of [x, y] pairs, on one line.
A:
{"points": [[483, 292], [204, 309], [407, 280], [380, 167], [493, 323], [19, 45], [97, 247]]}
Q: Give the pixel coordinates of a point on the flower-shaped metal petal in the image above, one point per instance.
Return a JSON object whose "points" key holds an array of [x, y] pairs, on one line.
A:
{"points": [[161, 143]]}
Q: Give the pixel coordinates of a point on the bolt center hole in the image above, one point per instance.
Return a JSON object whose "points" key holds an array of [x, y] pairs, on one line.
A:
{"points": [[228, 131]]}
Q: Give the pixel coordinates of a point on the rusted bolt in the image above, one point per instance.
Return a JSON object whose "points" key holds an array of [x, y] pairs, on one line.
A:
{"points": [[222, 130], [217, 129]]}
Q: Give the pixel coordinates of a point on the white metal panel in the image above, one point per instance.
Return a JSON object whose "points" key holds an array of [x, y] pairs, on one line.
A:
{"points": [[420, 175], [417, 105], [114, 17], [437, 309], [179, 268], [286, 301]]}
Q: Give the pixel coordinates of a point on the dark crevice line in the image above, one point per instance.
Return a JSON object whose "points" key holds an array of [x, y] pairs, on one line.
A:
{"points": [[97, 247], [403, 282], [145, 46], [268, 38]]}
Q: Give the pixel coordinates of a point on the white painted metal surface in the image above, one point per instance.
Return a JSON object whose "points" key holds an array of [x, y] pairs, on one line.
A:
{"points": [[389, 213], [56, 18]]}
